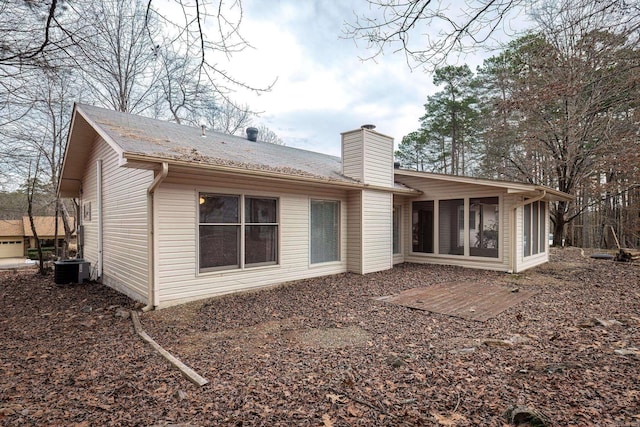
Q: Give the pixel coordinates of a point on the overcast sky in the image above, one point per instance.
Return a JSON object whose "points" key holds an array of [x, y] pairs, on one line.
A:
{"points": [[323, 88]]}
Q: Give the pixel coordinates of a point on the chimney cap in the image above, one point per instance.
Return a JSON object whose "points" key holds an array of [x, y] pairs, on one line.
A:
{"points": [[368, 126], [252, 133]]}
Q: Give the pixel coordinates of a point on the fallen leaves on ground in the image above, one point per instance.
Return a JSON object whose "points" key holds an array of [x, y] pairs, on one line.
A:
{"points": [[324, 352]]}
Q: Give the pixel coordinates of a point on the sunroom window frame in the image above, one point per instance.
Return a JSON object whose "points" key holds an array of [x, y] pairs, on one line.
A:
{"points": [[465, 220], [540, 229]]}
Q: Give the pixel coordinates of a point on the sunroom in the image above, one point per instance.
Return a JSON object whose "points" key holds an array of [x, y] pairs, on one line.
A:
{"points": [[471, 222]]}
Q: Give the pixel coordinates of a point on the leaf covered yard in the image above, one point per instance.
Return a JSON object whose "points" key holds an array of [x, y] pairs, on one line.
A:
{"points": [[325, 352]]}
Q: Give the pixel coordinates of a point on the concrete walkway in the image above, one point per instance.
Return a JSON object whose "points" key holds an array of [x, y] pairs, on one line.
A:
{"points": [[12, 263]]}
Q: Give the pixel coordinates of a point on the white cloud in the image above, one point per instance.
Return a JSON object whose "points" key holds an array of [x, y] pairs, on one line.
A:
{"points": [[323, 87]]}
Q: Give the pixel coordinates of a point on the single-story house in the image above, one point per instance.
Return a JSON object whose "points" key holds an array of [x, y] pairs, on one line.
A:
{"points": [[172, 213], [16, 236]]}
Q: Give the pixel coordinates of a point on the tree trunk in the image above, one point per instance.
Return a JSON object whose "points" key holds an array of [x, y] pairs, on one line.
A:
{"points": [[35, 234], [559, 222], [55, 228], [67, 229], [31, 190]]}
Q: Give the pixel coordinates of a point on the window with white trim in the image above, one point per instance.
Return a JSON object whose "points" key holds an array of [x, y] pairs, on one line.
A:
{"points": [[325, 231], [534, 228], [237, 231]]}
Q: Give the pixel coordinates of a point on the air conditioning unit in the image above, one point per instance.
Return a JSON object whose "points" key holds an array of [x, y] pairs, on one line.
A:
{"points": [[71, 271]]}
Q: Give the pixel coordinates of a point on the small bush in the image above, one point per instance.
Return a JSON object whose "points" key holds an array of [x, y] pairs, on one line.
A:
{"points": [[47, 253]]}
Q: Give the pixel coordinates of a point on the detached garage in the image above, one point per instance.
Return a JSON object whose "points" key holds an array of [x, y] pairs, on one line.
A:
{"points": [[11, 238]]}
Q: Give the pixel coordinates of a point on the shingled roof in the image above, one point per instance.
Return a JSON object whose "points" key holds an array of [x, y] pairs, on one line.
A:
{"points": [[143, 142], [11, 227], [45, 226], [161, 139]]}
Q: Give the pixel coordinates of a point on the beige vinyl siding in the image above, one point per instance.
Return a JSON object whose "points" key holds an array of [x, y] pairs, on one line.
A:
{"points": [[353, 155], [177, 220], [376, 231], [378, 159], [368, 156], [522, 262], [124, 216], [443, 190], [508, 218], [89, 196], [354, 232]]}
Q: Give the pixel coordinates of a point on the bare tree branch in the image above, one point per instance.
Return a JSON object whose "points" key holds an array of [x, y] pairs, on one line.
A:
{"points": [[430, 33]]}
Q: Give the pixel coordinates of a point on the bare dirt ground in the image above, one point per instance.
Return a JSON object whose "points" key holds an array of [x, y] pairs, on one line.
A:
{"points": [[322, 352]]}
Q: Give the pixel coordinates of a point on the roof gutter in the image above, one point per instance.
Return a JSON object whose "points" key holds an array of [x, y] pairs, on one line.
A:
{"points": [[268, 174], [151, 241], [510, 186], [512, 261]]}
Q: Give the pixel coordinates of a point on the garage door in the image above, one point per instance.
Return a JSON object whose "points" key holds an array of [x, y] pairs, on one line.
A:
{"points": [[11, 248]]}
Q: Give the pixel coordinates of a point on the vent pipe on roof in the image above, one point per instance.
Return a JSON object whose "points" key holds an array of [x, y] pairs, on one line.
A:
{"points": [[252, 134], [204, 131], [368, 126]]}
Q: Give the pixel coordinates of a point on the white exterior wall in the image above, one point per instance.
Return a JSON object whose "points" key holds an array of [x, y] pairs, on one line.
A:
{"points": [[443, 190], [353, 154], [89, 196], [378, 159], [124, 217], [521, 262], [377, 221], [178, 278], [368, 156], [354, 232], [370, 231]]}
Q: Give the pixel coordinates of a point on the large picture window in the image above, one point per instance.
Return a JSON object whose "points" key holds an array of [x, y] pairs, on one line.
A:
{"points": [[231, 237], [534, 228], [325, 231]]}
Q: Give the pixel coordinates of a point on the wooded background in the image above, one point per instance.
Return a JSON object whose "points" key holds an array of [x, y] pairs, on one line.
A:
{"points": [[557, 105]]}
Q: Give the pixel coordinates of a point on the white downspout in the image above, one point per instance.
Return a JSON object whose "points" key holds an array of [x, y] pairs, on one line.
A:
{"points": [[512, 261], [151, 236], [99, 214]]}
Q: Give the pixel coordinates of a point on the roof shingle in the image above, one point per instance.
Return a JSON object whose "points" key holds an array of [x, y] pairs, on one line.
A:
{"points": [[161, 139], [11, 227]]}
